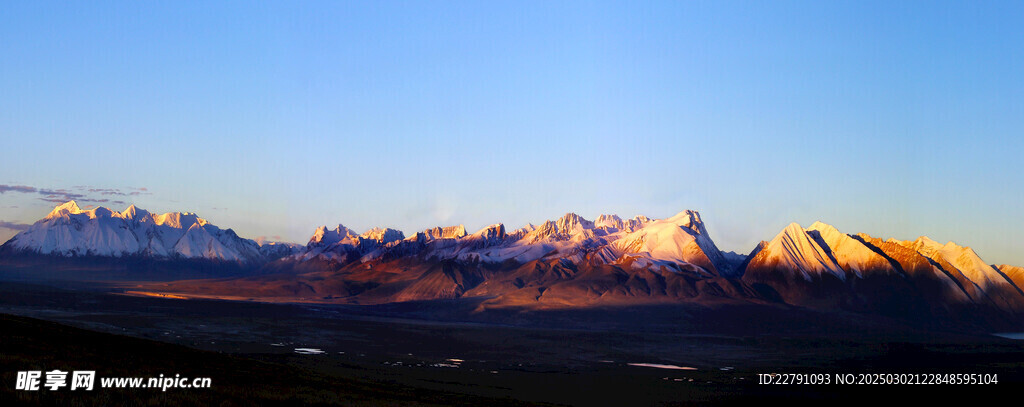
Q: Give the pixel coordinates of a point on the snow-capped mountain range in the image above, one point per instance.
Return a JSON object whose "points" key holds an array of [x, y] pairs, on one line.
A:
{"points": [[71, 231], [560, 261], [819, 264], [679, 242]]}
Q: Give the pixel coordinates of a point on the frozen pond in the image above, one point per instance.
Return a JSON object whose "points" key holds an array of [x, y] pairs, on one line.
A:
{"points": [[661, 366]]}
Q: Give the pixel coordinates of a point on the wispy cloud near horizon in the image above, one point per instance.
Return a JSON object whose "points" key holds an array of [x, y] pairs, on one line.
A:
{"points": [[78, 193], [13, 225], [17, 188]]}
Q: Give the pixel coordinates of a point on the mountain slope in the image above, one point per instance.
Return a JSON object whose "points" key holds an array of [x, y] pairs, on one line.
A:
{"points": [[795, 254], [823, 268], [852, 255], [985, 280], [565, 262], [680, 242], [569, 261], [71, 231]]}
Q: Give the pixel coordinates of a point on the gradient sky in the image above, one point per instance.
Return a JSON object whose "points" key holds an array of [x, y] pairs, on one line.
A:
{"points": [[896, 120]]}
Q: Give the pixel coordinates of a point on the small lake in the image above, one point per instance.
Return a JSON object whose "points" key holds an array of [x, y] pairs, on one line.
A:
{"points": [[661, 366]]}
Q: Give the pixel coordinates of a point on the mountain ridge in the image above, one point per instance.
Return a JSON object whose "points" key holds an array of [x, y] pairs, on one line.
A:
{"points": [[71, 231], [564, 262]]}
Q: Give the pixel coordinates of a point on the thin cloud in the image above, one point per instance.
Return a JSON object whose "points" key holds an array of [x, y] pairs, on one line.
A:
{"points": [[106, 191], [61, 194], [118, 192], [17, 188], [54, 199], [12, 225], [78, 193]]}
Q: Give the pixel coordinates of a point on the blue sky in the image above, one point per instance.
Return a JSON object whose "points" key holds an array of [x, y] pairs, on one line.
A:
{"points": [[896, 120]]}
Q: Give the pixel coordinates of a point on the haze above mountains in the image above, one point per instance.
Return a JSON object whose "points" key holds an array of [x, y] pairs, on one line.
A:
{"points": [[567, 262]]}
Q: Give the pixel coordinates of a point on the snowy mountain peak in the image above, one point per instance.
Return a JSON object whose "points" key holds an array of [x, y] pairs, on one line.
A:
{"points": [[383, 235], [179, 220], [572, 223], [325, 237], [792, 229], [828, 233], [685, 218], [617, 223], [318, 235], [447, 232], [923, 242], [134, 213], [680, 240], [571, 237], [952, 245], [823, 227], [794, 249], [70, 231], [608, 221], [852, 254], [493, 232], [690, 220], [67, 208], [568, 226], [101, 212], [963, 258]]}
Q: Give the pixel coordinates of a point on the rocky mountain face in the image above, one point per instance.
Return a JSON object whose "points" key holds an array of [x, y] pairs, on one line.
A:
{"points": [[566, 262], [70, 231], [821, 267], [677, 243]]}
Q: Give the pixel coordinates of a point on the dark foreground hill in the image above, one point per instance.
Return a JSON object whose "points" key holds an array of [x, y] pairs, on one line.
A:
{"points": [[388, 355], [32, 344]]}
